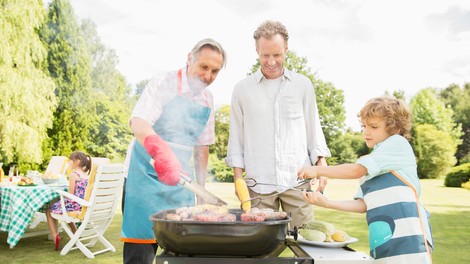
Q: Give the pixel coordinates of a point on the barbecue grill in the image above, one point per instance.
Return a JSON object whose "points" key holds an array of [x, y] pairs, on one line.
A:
{"points": [[188, 241], [238, 238]]}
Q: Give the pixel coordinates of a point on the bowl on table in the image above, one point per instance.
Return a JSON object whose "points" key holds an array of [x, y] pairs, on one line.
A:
{"points": [[50, 181]]}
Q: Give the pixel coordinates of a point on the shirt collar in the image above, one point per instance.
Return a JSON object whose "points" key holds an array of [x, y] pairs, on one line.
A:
{"points": [[259, 75]]}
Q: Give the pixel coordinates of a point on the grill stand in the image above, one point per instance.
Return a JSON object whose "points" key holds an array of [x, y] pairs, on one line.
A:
{"points": [[300, 257]]}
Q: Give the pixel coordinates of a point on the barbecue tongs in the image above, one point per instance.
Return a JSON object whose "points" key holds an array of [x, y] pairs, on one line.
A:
{"points": [[200, 191], [250, 182]]}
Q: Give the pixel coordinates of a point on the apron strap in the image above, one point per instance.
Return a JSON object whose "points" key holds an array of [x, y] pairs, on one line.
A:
{"points": [[180, 85]]}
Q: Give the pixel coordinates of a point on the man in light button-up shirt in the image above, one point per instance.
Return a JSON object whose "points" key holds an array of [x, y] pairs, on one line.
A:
{"points": [[274, 127]]}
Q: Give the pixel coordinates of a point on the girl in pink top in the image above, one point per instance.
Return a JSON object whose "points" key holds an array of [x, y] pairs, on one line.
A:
{"points": [[80, 163]]}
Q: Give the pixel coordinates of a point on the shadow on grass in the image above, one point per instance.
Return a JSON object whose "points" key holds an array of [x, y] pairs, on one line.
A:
{"points": [[41, 250]]}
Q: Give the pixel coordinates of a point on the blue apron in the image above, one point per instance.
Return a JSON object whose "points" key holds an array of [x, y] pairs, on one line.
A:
{"points": [[396, 230], [180, 125]]}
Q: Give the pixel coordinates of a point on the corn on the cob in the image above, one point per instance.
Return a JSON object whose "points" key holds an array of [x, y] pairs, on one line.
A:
{"points": [[340, 236], [312, 235], [243, 194], [325, 227]]}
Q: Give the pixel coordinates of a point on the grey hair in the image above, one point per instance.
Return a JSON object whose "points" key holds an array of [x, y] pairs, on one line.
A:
{"points": [[270, 28], [208, 43]]}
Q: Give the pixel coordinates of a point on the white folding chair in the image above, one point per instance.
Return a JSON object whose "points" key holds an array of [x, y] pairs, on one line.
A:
{"points": [[100, 161], [98, 207], [57, 165]]}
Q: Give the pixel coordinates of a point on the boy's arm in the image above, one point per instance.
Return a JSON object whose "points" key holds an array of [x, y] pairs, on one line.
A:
{"points": [[317, 198], [343, 171], [355, 206]]}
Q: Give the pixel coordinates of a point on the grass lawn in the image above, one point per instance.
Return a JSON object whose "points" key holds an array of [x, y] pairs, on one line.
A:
{"points": [[449, 207]]}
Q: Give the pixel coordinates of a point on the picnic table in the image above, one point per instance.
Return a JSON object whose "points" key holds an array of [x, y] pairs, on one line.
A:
{"points": [[18, 206]]}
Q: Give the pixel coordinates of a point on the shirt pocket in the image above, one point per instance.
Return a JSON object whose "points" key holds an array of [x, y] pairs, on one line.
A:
{"points": [[291, 108]]}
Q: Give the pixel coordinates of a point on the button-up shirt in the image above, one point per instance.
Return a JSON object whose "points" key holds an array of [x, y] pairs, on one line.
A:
{"points": [[274, 132]]}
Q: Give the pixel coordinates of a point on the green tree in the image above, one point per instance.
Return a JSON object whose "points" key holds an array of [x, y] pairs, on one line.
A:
{"points": [[69, 66], [140, 86], [109, 131], [218, 170], [457, 98], [330, 103], [110, 134], [428, 109], [434, 150], [399, 94], [27, 99], [222, 131]]}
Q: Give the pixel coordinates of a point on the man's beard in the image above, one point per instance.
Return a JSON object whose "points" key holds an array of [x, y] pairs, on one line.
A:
{"points": [[196, 85]]}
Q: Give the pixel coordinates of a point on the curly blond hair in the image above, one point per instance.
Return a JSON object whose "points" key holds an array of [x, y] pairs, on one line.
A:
{"points": [[393, 111], [270, 28]]}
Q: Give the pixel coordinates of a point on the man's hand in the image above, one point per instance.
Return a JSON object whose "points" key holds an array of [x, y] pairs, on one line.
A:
{"points": [[322, 181], [166, 164]]}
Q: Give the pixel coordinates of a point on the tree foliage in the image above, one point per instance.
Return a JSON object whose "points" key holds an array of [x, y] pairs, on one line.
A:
{"points": [[222, 131], [109, 132], [140, 86], [428, 109], [458, 99], [27, 98], [435, 150], [347, 148], [218, 170], [399, 94], [69, 66]]}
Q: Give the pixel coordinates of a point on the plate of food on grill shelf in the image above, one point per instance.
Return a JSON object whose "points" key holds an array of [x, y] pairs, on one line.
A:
{"points": [[324, 234]]}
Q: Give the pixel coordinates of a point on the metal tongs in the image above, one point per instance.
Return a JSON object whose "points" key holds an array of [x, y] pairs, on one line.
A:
{"points": [[250, 182], [199, 190]]}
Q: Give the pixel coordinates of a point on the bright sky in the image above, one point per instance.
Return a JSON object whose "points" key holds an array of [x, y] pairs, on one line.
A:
{"points": [[362, 47]]}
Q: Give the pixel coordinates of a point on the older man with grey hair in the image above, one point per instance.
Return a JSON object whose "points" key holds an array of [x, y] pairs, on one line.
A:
{"points": [[172, 122]]}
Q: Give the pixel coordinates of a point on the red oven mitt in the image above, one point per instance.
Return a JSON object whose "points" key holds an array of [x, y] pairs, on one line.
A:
{"points": [[166, 164]]}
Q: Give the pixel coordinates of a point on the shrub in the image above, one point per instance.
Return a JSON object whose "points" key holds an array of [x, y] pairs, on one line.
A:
{"points": [[219, 170], [466, 185], [458, 175], [434, 151], [465, 159]]}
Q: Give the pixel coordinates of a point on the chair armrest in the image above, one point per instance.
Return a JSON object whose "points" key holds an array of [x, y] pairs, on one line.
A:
{"points": [[74, 198]]}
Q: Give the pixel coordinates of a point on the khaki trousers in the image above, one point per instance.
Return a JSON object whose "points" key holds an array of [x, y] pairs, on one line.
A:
{"points": [[290, 201]]}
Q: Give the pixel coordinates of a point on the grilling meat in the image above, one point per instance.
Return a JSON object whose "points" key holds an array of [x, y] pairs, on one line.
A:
{"points": [[173, 217], [267, 214], [202, 213], [213, 213], [208, 217], [253, 217]]}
